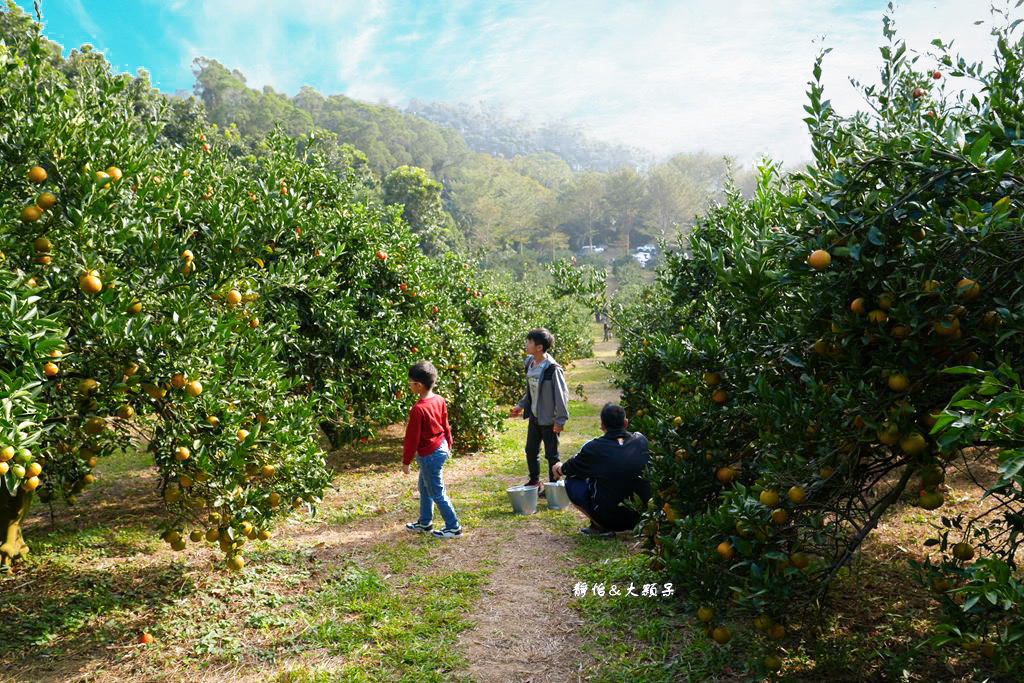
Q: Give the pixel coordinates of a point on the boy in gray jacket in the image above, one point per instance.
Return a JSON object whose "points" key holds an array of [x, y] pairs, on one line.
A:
{"points": [[545, 404]]}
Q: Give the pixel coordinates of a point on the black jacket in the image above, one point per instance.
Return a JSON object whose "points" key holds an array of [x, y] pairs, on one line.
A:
{"points": [[615, 472]]}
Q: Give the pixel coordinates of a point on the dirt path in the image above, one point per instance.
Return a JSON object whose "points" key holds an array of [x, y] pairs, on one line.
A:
{"points": [[525, 629]]}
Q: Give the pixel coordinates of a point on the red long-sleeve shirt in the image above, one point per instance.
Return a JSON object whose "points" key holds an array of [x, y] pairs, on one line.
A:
{"points": [[427, 428]]}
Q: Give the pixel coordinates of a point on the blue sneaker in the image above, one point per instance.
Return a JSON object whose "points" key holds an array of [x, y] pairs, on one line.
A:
{"points": [[448, 533], [418, 528]]}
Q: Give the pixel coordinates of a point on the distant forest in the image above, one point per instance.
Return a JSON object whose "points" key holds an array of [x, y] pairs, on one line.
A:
{"points": [[487, 128], [474, 178]]}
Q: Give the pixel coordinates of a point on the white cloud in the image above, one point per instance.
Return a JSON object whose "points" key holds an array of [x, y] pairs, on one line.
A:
{"points": [[84, 20], [727, 77]]}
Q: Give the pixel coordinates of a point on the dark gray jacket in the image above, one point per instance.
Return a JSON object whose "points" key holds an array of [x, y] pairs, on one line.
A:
{"points": [[553, 396]]}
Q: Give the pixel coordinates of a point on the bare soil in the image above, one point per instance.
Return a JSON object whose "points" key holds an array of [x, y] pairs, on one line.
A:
{"points": [[525, 630]]}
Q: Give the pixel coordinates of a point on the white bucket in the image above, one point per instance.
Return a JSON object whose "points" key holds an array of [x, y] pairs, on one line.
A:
{"points": [[524, 499], [558, 498]]}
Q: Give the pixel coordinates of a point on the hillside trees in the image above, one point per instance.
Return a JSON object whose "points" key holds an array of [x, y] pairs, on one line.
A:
{"points": [[422, 208], [543, 196], [830, 351], [488, 128]]}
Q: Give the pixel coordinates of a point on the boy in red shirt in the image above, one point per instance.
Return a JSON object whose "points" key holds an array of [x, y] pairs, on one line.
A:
{"points": [[428, 436]]}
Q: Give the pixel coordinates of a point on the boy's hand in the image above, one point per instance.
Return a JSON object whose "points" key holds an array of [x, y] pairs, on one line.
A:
{"points": [[556, 470], [405, 469], [515, 412], [557, 429]]}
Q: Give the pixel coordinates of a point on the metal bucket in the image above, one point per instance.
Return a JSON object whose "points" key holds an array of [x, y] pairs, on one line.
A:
{"points": [[558, 498], [524, 499]]}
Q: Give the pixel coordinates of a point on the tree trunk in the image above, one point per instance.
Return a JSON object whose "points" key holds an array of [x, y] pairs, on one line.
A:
{"points": [[333, 433], [12, 513]]}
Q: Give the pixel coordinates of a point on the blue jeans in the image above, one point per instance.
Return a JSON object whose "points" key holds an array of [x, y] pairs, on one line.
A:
{"points": [[578, 491], [432, 489]]}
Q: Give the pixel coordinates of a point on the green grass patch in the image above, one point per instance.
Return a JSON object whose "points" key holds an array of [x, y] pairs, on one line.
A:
{"points": [[384, 633], [122, 462], [591, 374], [578, 410]]}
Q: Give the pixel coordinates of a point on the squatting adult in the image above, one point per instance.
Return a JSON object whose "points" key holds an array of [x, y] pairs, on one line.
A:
{"points": [[606, 473]]}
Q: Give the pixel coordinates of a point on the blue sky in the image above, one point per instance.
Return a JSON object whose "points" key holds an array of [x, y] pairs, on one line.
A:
{"points": [[725, 76]]}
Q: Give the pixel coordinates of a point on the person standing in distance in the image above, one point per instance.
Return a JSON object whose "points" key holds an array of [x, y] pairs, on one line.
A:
{"points": [[545, 404]]}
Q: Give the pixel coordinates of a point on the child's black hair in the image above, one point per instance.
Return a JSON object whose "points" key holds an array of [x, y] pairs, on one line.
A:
{"points": [[542, 337], [613, 416], [425, 373]]}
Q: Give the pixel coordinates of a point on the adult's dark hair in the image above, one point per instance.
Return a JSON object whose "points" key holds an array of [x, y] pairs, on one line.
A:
{"points": [[542, 337], [424, 372], [613, 416]]}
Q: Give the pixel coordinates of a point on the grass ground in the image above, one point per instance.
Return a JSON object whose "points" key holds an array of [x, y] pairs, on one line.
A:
{"points": [[349, 595]]}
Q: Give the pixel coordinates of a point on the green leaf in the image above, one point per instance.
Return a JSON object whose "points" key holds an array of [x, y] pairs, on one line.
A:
{"points": [[963, 370]]}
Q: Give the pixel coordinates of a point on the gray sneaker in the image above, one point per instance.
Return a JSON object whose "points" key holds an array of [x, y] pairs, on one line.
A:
{"points": [[418, 528], [448, 533]]}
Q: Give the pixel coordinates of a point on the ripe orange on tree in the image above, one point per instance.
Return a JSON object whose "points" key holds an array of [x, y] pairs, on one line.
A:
{"points": [[725, 474], [898, 382], [30, 214], [90, 282], [819, 259], [46, 200], [37, 174], [967, 289]]}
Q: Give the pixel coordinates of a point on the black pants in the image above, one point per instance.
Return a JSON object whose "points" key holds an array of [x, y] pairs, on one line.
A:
{"points": [[535, 434]]}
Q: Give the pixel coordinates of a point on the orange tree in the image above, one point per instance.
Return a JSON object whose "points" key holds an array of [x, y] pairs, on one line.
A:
{"points": [[795, 374], [212, 299], [559, 297]]}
